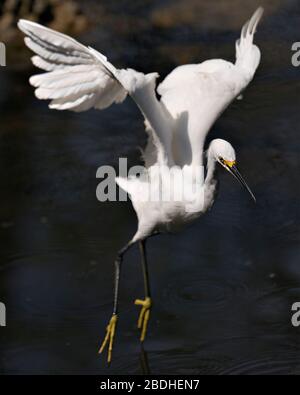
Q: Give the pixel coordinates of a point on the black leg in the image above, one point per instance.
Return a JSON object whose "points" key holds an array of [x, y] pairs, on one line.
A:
{"points": [[145, 268], [118, 266], [145, 304], [111, 328]]}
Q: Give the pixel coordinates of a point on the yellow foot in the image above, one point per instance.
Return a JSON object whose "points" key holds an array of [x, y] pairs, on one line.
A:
{"points": [[109, 338], [144, 315]]}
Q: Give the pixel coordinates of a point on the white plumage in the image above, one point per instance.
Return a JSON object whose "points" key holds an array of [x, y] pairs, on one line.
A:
{"points": [[192, 97], [75, 80]]}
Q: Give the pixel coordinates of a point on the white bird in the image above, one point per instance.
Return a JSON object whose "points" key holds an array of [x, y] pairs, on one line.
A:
{"points": [[192, 97]]}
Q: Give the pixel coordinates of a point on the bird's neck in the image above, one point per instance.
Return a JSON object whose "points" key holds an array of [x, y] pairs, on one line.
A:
{"points": [[210, 169]]}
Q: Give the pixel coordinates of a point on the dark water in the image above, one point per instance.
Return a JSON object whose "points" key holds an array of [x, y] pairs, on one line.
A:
{"points": [[223, 289]]}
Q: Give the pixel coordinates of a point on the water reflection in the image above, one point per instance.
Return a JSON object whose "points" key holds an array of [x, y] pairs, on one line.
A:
{"points": [[144, 360]]}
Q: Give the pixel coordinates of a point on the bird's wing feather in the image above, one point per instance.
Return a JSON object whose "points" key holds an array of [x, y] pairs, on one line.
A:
{"points": [[78, 78], [75, 78], [247, 54], [196, 95]]}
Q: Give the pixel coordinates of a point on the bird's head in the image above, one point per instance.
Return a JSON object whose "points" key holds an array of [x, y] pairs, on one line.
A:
{"points": [[224, 153]]}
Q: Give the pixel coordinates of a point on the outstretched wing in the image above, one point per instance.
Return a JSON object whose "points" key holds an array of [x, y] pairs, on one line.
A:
{"points": [[75, 80], [196, 95], [78, 78]]}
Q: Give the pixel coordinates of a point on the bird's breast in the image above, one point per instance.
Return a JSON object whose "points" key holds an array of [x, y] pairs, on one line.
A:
{"points": [[171, 203], [176, 216]]}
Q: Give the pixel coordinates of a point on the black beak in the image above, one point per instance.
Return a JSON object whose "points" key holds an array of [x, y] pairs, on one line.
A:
{"points": [[234, 171]]}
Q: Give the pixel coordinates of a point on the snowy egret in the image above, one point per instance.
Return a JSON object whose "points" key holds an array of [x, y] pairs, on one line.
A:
{"points": [[192, 97]]}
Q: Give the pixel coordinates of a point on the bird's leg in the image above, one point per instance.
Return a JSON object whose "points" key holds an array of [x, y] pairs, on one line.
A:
{"points": [[111, 327], [146, 304]]}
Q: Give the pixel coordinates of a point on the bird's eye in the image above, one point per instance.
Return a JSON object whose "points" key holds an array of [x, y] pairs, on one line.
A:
{"points": [[221, 160]]}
